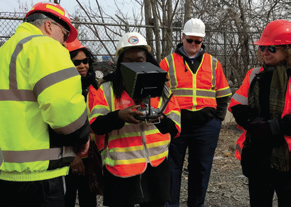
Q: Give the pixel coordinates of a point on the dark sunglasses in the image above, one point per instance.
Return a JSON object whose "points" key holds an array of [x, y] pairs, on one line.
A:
{"points": [[78, 62], [190, 41], [271, 49]]}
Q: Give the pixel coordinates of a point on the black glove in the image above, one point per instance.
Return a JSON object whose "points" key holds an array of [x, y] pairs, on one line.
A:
{"points": [[243, 115], [259, 128], [285, 124]]}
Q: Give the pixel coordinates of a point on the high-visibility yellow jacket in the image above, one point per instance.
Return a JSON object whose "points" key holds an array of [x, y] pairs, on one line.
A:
{"points": [[127, 150], [195, 91], [241, 97], [39, 88]]}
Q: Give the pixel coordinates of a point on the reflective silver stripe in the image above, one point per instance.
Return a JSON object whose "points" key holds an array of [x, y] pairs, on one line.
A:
{"points": [[210, 94], [107, 93], [13, 94], [222, 93], [37, 155], [1, 157], [137, 152], [214, 65], [175, 117], [74, 125], [241, 99], [17, 95], [99, 111], [182, 92], [238, 149], [54, 78], [128, 155], [188, 92], [125, 131], [253, 74], [171, 71]]}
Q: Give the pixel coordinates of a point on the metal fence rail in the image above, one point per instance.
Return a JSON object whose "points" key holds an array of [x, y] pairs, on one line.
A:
{"points": [[102, 39]]}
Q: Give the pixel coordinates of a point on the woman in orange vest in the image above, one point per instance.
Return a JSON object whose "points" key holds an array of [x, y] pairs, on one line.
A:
{"points": [[262, 106], [134, 153], [77, 179]]}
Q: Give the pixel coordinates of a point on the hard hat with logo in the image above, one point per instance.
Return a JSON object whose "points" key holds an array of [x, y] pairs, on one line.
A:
{"points": [[75, 45], [57, 13], [194, 27], [131, 39], [277, 32]]}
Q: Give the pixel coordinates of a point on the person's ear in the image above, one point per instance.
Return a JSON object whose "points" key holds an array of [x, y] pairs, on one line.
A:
{"points": [[48, 27]]}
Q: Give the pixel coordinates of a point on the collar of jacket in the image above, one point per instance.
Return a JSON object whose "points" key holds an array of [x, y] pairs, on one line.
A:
{"points": [[184, 55]]}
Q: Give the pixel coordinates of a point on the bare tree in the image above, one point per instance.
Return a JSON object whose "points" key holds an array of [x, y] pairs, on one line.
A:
{"points": [[231, 27]]}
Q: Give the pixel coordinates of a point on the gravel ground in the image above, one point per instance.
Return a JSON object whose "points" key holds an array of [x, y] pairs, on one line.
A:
{"points": [[227, 186]]}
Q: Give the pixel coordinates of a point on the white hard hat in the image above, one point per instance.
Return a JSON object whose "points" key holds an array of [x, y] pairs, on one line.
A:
{"points": [[131, 39], [194, 27]]}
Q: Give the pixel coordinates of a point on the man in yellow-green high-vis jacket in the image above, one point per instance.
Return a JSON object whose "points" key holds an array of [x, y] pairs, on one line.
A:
{"points": [[43, 113]]}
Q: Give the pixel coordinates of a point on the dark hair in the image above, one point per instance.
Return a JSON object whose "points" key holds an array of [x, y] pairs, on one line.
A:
{"points": [[88, 54], [117, 78]]}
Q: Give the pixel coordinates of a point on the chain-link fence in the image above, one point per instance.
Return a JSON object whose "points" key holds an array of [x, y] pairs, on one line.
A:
{"points": [[102, 39]]}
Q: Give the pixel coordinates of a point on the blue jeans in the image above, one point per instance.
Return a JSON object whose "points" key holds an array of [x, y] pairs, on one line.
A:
{"points": [[201, 143]]}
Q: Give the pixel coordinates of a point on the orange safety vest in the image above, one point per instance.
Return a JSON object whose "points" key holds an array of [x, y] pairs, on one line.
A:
{"points": [[127, 151], [196, 91], [241, 97]]}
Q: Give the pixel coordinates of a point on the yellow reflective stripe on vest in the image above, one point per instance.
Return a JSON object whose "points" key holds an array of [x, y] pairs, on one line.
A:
{"points": [[205, 93], [213, 66], [38, 155], [223, 92], [172, 74], [131, 155], [183, 92]]}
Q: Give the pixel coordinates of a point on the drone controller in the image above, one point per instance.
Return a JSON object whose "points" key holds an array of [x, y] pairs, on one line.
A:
{"points": [[150, 113], [144, 81]]}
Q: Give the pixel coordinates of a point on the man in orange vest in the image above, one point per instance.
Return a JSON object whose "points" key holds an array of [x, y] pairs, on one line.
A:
{"points": [[202, 91]]}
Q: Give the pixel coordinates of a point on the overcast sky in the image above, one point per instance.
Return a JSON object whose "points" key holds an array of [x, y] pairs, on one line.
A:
{"points": [[70, 5]]}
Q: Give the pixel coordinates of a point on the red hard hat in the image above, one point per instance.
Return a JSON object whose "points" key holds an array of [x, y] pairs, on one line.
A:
{"points": [[75, 45], [56, 11], [277, 32]]}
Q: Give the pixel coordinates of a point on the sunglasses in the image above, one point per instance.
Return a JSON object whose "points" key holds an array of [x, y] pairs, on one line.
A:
{"points": [[66, 33], [190, 41], [78, 62], [271, 49]]}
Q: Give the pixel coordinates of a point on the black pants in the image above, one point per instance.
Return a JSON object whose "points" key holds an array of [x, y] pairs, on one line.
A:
{"points": [[262, 189], [80, 183], [149, 189], [150, 204], [45, 193]]}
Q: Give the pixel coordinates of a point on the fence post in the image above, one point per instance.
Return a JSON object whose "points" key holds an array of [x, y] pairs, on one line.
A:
{"points": [[224, 51]]}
